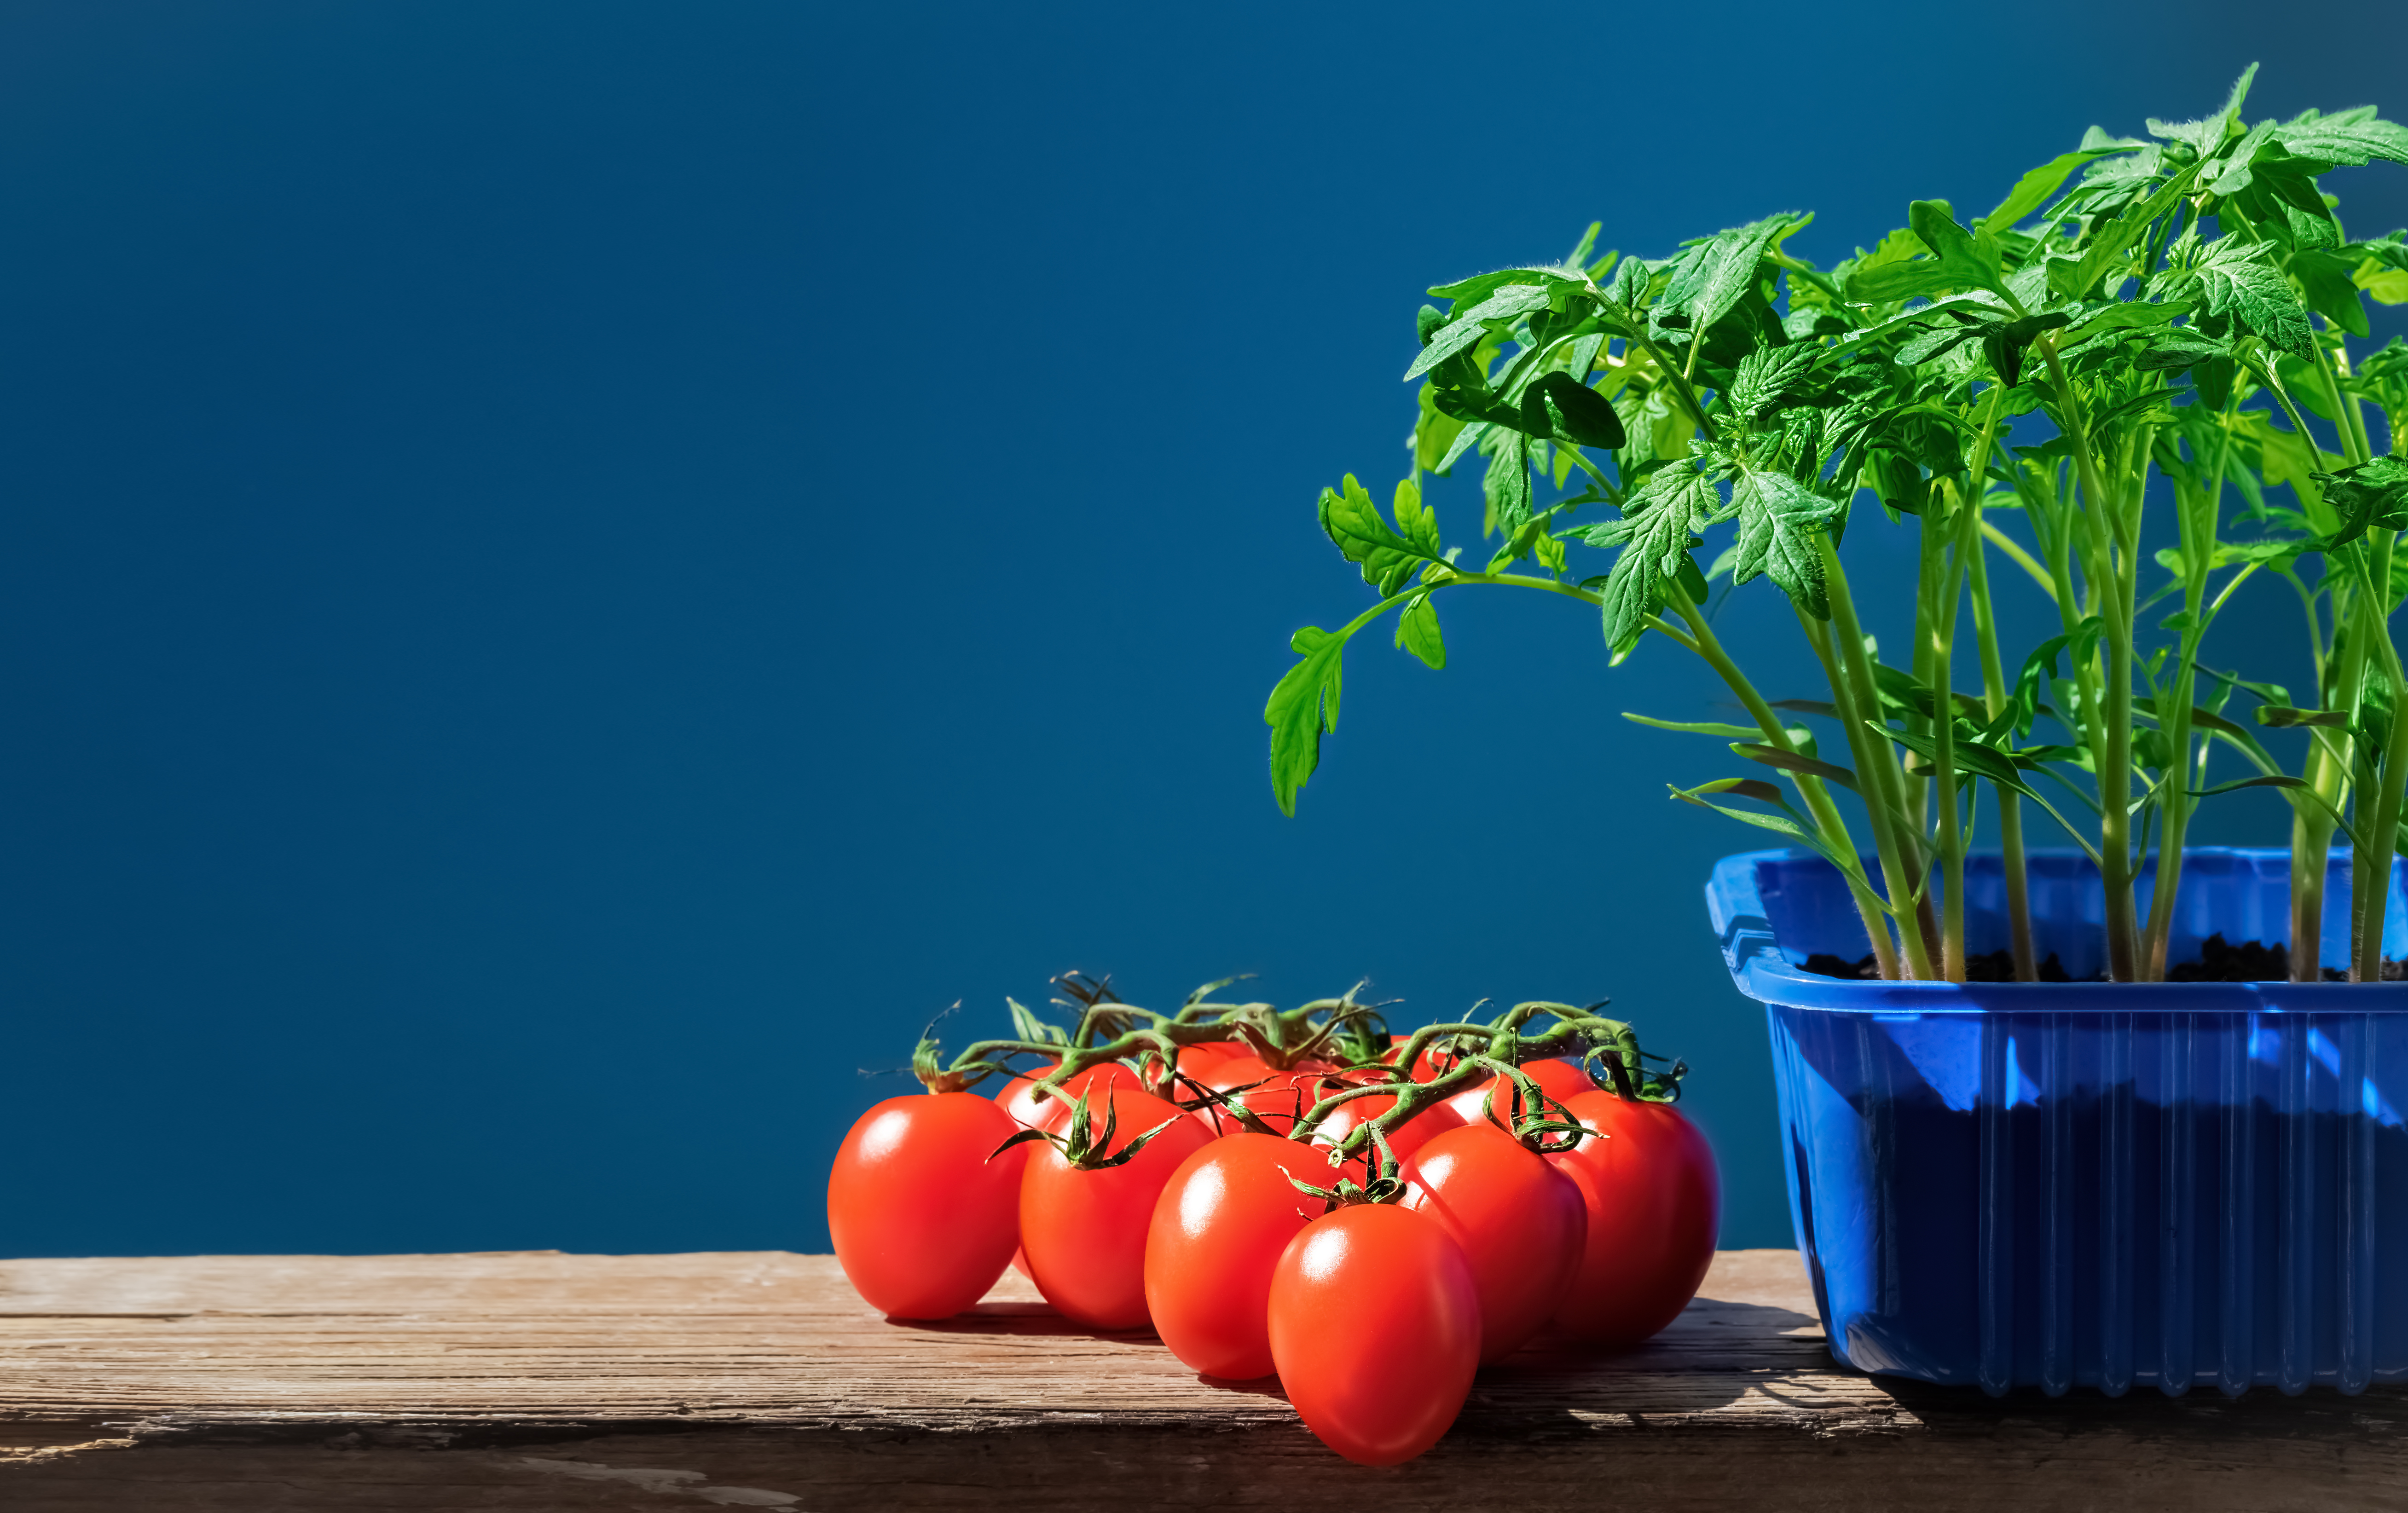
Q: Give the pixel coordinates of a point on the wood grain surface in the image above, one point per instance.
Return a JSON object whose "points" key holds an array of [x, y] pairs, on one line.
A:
{"points": [[549, 1381]]}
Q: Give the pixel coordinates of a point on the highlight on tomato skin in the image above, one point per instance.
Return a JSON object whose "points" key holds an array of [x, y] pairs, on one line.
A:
{"points": [[1522, 1224], [923, 1221], [1654, 1207], [1219, 1229], [1085, 1231], [1375, 1330]]}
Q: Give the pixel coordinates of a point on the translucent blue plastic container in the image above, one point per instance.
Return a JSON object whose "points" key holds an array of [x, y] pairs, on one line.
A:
{"points": [[2057, 1184]]}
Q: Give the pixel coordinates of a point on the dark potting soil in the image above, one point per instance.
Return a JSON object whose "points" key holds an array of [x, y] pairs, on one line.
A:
{"points": [[1984, 966], [2220, 961]]}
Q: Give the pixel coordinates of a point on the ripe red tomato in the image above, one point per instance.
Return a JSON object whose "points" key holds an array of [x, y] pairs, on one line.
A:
{"points": [[1521, 1224], [1560, 1079], [1403, 1141], [1054, 1114], [1655, 1209], [1202, 1056], [1016, 1097], [1084, 1232], [924, 1223], [1375, 1329], [1218, 1231]]}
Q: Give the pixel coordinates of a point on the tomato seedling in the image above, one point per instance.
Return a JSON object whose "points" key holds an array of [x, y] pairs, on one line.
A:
{"points": [[2164, 305]]}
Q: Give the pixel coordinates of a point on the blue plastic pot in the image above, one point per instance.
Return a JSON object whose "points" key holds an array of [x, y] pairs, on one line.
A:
{"points": [[2036, 1184]]}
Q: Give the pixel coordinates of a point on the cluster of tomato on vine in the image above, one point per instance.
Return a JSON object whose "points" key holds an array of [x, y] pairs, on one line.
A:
{"points": [[1298, 1193]]}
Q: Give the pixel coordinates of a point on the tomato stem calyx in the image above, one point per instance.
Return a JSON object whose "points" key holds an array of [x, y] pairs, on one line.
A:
{"points": [[1081, 1146], [1388, 1187]]}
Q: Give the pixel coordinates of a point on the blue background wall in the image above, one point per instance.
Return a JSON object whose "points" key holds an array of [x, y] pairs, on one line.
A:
{"points": [[570, 572]]}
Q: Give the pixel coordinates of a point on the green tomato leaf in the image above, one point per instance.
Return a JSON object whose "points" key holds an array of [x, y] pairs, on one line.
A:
{"points": [[1713, 727], [1967, 755], [1779, 522], [2372, 493], [1464, 331], [1960, 259], [1436, 435], [2075, 279], [2238, 282], [1785, 822], [2176, 350], [2325, 281], [2131, 316], [1628, 290], [1657, 524], [1710, 277], [1388, 557], [1557, 406], [1303, 705], [1935, 222], [1465, 439], [2282, 716], [1507, 483], [2204, 136], [2351, 138], [1767, 373], [1773, 756], [1417, 632], [2301, 794], [2033, 189], [2042, 666], [1480, 286], [2389, 285], [1937, 341]]}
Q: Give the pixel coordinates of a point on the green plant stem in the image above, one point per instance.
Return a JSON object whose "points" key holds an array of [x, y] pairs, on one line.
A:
{"points": [[2114, 762], [2175, 795], [1965, 540], [1819, 803], [1933, 529], [1680, 382], [2011, 809], [2312, 831], [2371, 902], [2384, 770], [2351, 422], [1877, 771], [1596, 473], [2197, 520], [2047, 511], [1863, 752], [2312, 825], [2328, 772], [1951, 829]]}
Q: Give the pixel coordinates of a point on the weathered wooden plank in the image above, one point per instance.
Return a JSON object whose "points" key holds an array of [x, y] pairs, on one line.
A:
{"points": [[543, 1380]]}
